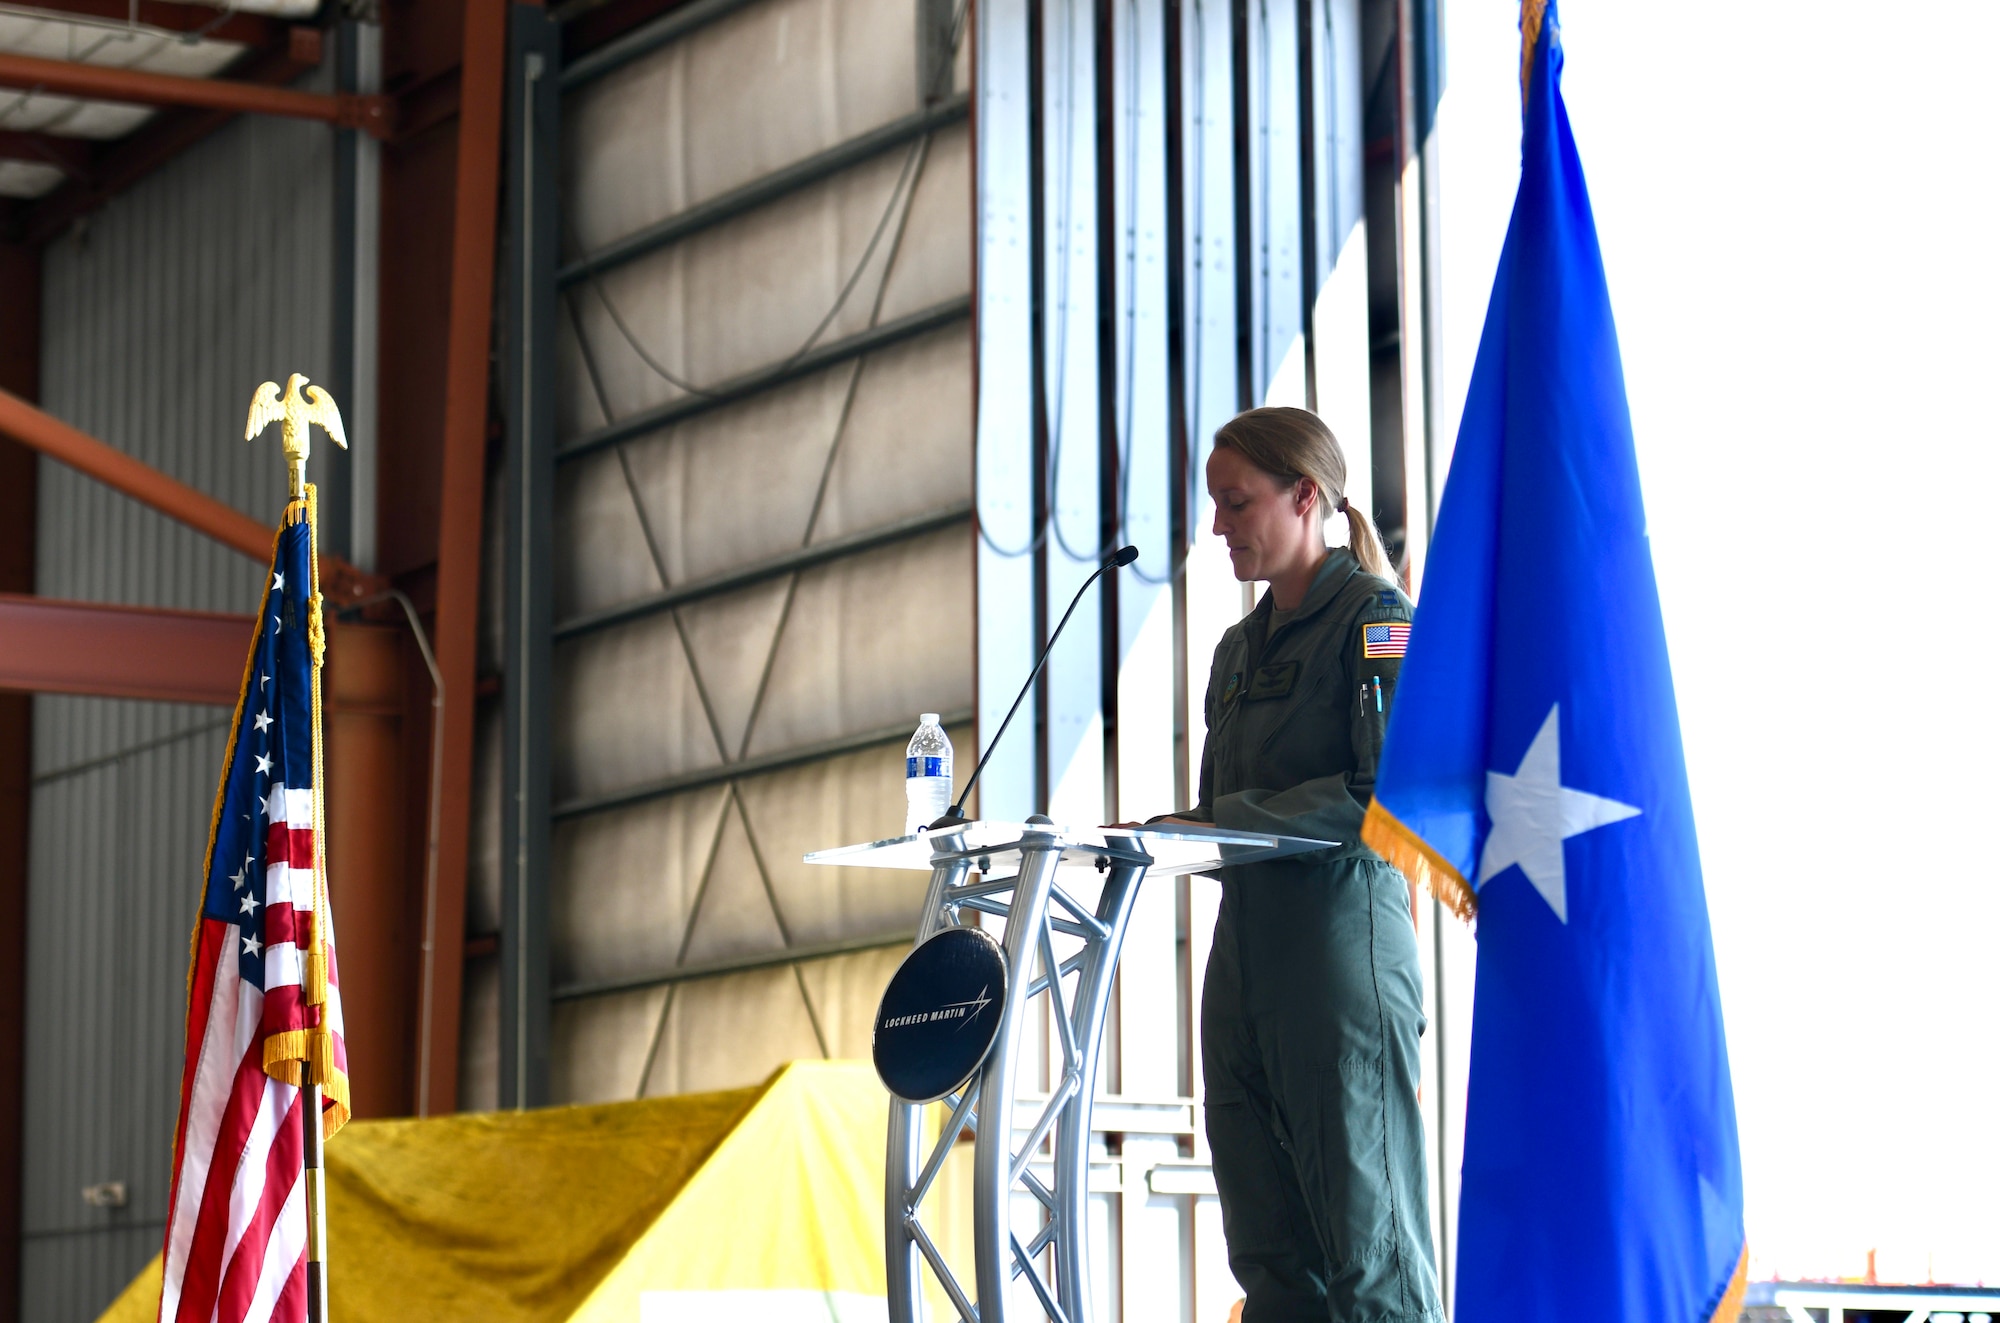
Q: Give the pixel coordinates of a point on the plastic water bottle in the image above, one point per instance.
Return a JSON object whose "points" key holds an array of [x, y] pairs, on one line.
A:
{"points": [[927, 774]]}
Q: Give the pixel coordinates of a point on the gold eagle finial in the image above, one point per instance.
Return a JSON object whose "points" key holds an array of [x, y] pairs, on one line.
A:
{"points": [[297, 410]]}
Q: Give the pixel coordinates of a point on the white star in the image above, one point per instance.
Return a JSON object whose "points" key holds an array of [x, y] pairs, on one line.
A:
{"points": [[1533, 813], [251, 946], [238, 875], [263, 680], [262, 720], [249, 904], [277, 583], [263, 765]]}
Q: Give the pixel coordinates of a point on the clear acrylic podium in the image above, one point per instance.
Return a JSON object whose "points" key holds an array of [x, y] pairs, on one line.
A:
{"points": [[1039, 878]]}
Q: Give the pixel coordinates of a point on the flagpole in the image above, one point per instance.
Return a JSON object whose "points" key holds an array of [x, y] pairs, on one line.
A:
{"points": [[315, 1196], [299, 409], [320, 1058]]}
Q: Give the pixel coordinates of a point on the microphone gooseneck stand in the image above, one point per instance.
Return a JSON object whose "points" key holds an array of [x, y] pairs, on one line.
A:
{"points": [[956, 813]]}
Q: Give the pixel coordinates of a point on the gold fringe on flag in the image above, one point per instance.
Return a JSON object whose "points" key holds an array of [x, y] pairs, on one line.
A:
{"points": [[1531, 32], [283, 1051], [1731, 1307], [1386, 835], [331, 1079], [332, 1083], [286, 1053]]}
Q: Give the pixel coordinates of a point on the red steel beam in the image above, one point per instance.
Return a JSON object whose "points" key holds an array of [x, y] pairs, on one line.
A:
{"points": [[475, 216], [140, 481], [52, 647], [176, 500], [31, 74]]}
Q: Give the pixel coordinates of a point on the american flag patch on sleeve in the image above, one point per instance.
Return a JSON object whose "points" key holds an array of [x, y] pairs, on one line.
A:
{"points": [[1391, 640]]}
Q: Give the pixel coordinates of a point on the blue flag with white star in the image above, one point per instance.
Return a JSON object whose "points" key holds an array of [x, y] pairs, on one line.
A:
{"points": [[1533, 772]]}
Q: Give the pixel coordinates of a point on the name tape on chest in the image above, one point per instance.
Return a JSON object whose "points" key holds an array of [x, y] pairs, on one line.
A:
{"points": [[1272, 681], [1386, 640]]}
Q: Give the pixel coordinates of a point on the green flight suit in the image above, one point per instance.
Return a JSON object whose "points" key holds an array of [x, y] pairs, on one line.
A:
{"points": [[1314, 997]]}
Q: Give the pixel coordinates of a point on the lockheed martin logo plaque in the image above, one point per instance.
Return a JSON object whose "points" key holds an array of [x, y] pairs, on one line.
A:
{"points": [[940, 1014]]}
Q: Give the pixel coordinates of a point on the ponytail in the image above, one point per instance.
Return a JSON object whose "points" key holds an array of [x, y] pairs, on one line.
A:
{"points": [[1366, 543]]}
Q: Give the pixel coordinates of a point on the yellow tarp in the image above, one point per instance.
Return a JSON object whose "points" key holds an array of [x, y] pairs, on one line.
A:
{"points": [[623, 1213]]}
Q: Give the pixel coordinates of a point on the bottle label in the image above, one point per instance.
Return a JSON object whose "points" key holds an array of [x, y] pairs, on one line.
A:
{"points": [[924, 766]]}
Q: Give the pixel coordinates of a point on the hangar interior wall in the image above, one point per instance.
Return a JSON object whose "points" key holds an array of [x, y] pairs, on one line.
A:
{"points": [[160, 313], [762, 567]]}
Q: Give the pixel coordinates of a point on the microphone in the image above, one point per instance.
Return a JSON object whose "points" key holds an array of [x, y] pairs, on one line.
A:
{"points": [[1118, 559]]}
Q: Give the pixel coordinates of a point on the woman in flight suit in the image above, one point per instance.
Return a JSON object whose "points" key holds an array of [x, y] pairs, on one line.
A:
{"points": [[1313, 1002]]}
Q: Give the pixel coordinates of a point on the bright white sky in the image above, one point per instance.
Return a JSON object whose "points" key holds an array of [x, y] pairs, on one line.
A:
{"points": [[1799, 215]]}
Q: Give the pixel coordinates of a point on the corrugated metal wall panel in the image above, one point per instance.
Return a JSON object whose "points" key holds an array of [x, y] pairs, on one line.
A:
{"points": [[62, 1276], [162, 313], [710, 874], [70, 732], [114, 877]]}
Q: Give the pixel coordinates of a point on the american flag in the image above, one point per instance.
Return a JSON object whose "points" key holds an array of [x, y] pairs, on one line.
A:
{"points": [[1390, 640], [263, 992]]}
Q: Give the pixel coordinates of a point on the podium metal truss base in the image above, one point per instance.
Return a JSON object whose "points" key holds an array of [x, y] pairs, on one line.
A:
{"points": [[1030, 1152], [1007, 1139]]}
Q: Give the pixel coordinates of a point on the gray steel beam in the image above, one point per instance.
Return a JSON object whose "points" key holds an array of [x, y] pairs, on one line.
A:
{"points": [[767, 188], [803, 558], [642, 41], [734, 965], [534, 106], [763, 379], [768, 762]]}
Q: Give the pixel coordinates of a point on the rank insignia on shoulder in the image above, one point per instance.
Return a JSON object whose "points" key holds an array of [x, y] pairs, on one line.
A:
{"points": [[1235, 683], [1386, 597], [1391, 639]]}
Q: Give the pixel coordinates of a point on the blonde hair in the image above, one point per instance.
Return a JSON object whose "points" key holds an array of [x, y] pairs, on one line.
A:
{"points": [[1290, 444]]}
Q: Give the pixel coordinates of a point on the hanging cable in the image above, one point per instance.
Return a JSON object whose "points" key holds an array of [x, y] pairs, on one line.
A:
{"points": [[903, 193], [904, 178]]}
